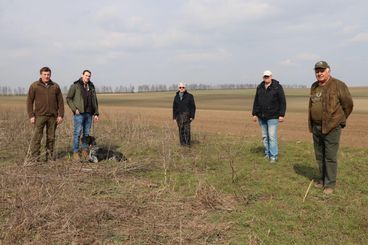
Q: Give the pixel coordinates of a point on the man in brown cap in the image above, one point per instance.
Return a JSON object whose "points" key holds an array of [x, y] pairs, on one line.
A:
{"points": [[330, 104]]}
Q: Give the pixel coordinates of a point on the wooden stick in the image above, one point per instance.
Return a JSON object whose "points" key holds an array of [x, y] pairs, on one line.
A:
{"points": [[306, 193]]}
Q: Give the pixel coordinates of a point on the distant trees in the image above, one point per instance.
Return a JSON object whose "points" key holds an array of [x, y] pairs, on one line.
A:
{"points": [[119, 89], [6, 90], [124, 89], [152, 88], [193, 86]]}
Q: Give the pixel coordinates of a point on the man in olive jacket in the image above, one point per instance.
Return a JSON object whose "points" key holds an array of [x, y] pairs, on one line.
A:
{"points": [[45, 108], [184, 109], [82, 100], [330, 104]]}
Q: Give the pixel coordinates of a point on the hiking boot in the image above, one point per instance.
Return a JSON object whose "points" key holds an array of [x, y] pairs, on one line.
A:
{"points": [[328, 191], [318, 184], [76, 156]]}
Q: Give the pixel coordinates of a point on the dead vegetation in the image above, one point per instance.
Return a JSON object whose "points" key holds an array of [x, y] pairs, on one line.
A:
{"points": [[218, 192], [61, 204], [66, 202]]}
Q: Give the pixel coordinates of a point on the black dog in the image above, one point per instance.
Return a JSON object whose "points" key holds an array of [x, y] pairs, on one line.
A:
{"points": [[98, 154]]}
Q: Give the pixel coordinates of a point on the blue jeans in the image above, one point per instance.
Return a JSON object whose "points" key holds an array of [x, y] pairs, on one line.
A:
{"points": [[83, 122], [269, 135]]}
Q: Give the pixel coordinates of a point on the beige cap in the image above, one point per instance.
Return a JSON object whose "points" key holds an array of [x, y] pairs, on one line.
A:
{"points": [[267, 73]]}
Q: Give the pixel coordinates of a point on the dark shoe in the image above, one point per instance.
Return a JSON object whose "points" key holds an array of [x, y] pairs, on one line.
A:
{"points": [[318, 184], [328, 191]]}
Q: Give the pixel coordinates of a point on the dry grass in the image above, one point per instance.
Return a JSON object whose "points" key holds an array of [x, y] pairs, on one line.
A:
{"points": [[62, 204], [226, 112], [74, 203], [168, 195]]}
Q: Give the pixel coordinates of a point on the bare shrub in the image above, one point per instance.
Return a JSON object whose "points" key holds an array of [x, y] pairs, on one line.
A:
{"points": [[210, 198]]}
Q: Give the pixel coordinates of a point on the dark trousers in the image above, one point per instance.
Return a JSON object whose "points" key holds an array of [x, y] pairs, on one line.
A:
{"points": [[183, 121], [41, 122], [326, 147]]}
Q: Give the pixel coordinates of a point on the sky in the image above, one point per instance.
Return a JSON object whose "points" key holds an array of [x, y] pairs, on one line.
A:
{"points": [[133, 42]]}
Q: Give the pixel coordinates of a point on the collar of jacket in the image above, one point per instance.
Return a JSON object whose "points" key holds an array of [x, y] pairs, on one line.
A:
{"points": [[326, 85], [90, 84], [274, 83], [185, 92], [43, 84]]}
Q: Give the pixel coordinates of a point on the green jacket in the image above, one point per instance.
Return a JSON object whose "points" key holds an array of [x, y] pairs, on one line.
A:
{"points": [[45, 100], [337, 104], [75, 98]]}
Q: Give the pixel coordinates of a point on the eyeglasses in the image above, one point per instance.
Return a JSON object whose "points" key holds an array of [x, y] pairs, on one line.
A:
{"points": [[181, 87], [266, 77]]}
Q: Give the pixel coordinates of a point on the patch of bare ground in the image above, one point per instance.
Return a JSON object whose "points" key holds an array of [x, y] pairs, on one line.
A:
{"points": [[239, 123]]}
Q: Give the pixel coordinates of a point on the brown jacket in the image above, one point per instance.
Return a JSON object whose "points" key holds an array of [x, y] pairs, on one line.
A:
{"points": [[337, 104], [48, 101]]}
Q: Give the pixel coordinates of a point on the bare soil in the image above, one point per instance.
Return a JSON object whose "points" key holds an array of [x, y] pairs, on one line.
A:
{"points": [[239, 123]]}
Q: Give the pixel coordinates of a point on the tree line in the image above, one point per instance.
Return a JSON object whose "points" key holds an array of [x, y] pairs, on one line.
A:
{"points": [[145, 88]]}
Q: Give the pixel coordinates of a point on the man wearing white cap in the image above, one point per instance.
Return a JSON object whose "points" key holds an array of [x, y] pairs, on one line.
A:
{"points": [[269, 108], [183, 112]]}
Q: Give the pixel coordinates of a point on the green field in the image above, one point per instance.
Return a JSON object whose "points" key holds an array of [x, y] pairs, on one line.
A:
{"points": [[220, 191]]}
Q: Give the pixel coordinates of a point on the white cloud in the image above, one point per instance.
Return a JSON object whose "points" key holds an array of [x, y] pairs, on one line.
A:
{"points": [[111, 40], [210, 14], [22, 53], [306, 57], [360, 37], [111, 18], [287, 62], [350, 28], [299, 58], [203, 56], [240, 36]]}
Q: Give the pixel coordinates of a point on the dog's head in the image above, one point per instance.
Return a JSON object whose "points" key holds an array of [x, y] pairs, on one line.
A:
{"points": [[89, 140]]}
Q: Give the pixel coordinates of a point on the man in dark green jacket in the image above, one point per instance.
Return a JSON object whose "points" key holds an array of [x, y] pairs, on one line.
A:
{"points": [[330, 104], [82, 100], [45, 108]]}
